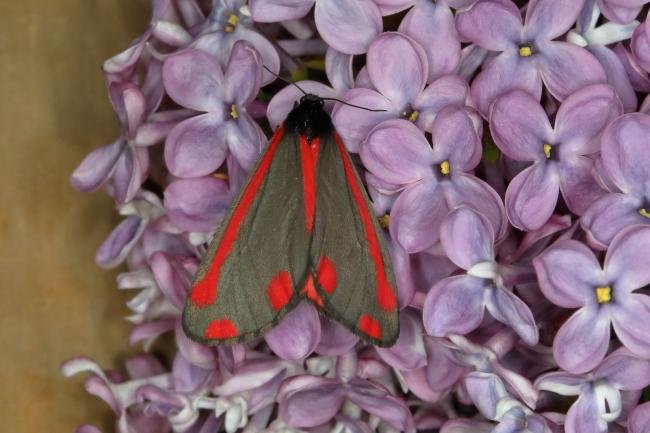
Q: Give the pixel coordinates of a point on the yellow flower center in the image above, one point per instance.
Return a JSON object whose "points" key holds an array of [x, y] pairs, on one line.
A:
{"points": [[644, 213], [384, 220], [233, 111], [445, 169], [603, 294], [547, 150], [232, 21], [525, 51], [414, 116]]}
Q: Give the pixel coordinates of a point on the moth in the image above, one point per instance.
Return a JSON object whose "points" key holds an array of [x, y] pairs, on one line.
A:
{"points": [[301, 229]]}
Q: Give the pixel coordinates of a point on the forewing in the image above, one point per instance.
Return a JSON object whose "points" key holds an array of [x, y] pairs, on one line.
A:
{"points": [[349, 262], [248, 278]]}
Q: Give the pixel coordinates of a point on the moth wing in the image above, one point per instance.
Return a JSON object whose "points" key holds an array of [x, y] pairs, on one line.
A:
{"points": [[350, 264], [248, 278]]}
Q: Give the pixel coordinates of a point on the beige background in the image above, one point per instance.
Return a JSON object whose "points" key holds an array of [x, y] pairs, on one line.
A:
{"points": [[55, 302]]}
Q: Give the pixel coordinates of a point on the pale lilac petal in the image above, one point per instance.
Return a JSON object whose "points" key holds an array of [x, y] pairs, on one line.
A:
{"points": [[378, 401], [454, 306], [520, 126], [625, 153], [298, 397], [566, 68], [463, 425], [507, 71], [625, 265], [578, 184], [245, 140], [417, 215], [97, 166], [583, 116], [171, 33], [397, 152], [170, 276], [467, 238], [195, 80], [561, 382], [641, 46], [284, 101], [338, 67], [490, 25], [389, 7], [197, 205], [532, 195], [616, 75], [468, 190], [432, 26], [509, 309], [625, 370], [454, 139], [147, 332], [354, 124], [416, 382], [267, 51], [349, 26], [549, 19], [630, 320], [397, 66], [609, 215], [582, 341], [197, 354], [196, 147], [442, 372], [129, 104], [584, 417], [270, 11], [639, 419], [449, 90], [335, 339], [485, 390], [618, 13], [243, 74], [129, 173], [568, 272], [120, 242], [408, 353], [297, 335]]}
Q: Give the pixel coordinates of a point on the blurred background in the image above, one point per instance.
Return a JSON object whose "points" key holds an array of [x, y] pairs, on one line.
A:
{"points": [[56, 303]]}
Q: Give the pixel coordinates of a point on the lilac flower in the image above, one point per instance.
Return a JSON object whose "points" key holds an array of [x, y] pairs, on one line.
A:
{"points": [[641, 45], [434, 180], [397, 69], [623, 162], [527, 51], [347, 25], [570, 276], [455, 305], [621, 11], [560, 155], [199, 145], [639, 419], [599, 401]]}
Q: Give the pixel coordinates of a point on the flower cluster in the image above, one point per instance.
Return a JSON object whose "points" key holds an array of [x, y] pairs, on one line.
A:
{"points": [[509, 167]]}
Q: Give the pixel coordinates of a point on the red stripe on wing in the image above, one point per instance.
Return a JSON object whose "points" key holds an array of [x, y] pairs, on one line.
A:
{"points": [[308, 159], [204, 292], [385, 293]]}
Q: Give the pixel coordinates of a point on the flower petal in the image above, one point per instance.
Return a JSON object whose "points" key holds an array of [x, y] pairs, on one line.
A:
{"points": [[245, 140], [490, 25], [639, 419], [120, 242], [454, 306], [197, 205], [507, 308], [442, 372], [97, 166], [335, 339], [266, 49], [532, 195], [625, 370], [610, 214], [195, 80], [449, 90], [338, 67], [243, 74], [549, 19], [616, 75], [467, 238], [520, 126], [417, 215], [296, 407], [271, 11], [408, 352], [377, 401], [566, 68], [583, 416], [297, 335], [577, 183], [196, 146], [629, 322], [397, 152], [626, 264], [582, 341], [349, 26], [455, 140], [129, 104], [485, 390]]}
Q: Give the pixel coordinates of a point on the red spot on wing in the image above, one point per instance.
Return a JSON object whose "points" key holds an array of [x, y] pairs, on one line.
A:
{"points": [[280, 290], [370, 326], [326, 275], [310, 291], [221, 329], [308, 159], [204, 292], [385, 293]]}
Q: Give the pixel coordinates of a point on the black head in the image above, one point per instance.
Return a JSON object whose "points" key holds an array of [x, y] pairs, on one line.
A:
{"points": [[309, 118]]}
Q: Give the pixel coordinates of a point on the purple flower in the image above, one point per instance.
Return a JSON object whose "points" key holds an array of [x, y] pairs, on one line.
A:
{"points": [[621, 11], [199, 145], [397, 70], [527, 52], [560, 155], [570, 276], [624, 162], [599, 401], [456, 304], [639, 419], [434, 180], [641, 45], [348, 26]]}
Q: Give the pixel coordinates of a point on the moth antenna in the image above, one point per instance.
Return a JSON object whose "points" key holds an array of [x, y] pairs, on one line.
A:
{"points": [[284, 79], [351, 105]]}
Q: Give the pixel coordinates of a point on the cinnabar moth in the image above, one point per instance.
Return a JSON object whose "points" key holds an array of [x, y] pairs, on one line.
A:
{"points": [[302, 228]]}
